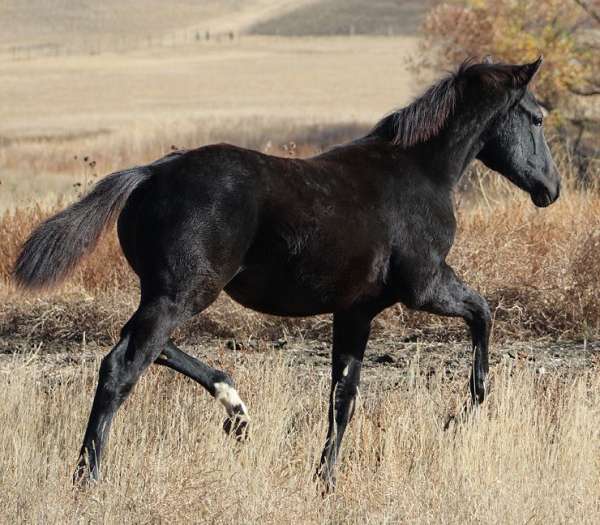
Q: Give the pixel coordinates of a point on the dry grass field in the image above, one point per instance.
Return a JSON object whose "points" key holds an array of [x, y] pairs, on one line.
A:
{"points": [[530, 455], [58, 27]]}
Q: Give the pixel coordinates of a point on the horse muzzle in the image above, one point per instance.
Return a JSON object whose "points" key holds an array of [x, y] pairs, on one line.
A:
{"points": [[546, 193]]}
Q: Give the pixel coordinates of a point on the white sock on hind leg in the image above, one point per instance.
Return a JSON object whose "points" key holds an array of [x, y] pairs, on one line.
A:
{"points": [[230, 399]]}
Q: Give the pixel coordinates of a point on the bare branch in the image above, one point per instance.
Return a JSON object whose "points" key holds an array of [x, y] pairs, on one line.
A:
{"points": [[546, 104], [590, 10], [584, 92]]}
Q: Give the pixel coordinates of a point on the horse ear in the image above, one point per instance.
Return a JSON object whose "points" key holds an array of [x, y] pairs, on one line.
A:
{"points": [[488, 59], [523, 74]]}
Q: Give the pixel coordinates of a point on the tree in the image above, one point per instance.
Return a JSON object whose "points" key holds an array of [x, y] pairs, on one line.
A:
{"points": [[516, 31]]}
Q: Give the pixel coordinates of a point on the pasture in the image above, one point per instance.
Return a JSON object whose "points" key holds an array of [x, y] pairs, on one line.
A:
{"points": [[530, 454]]}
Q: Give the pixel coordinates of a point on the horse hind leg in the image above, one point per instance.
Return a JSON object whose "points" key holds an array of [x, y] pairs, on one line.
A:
{"points": [[218, 383], [145, 339], [142, 340]]}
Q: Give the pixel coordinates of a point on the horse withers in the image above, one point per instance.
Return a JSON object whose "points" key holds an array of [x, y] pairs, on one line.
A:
{"points": [[350, 232]]}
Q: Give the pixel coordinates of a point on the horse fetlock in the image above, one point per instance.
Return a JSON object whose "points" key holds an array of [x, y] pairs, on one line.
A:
{"points": [[325, 479], [238, 422], [478, 390], [228, 396], [86, 471]]}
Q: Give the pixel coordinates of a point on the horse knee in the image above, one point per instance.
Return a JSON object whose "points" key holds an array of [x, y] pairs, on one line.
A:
{"points": [[485, 312], [479, 315]]}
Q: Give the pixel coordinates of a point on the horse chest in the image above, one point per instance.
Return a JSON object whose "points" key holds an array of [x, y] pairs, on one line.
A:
{"points": [[425, 227]]}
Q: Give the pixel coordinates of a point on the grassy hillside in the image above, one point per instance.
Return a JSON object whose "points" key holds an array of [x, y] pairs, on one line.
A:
{"points": [[68, 25], [343, 17], [45, 21]]}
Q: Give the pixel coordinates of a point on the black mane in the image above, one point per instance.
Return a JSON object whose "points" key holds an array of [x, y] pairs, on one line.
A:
{"points": [[426, 116]]}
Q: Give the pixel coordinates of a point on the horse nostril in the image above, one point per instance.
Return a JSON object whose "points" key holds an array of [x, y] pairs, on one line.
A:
{"points": [[556, 185]]}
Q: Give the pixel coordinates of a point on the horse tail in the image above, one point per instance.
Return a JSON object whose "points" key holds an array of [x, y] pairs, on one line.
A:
{"points": [[56, 246]]}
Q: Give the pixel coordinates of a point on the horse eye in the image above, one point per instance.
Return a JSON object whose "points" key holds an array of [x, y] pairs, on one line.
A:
{"points": [[538, 121]]}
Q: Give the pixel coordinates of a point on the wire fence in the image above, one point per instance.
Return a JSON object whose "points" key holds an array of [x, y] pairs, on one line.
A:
{"points": [[117, 44], [125, 43]]}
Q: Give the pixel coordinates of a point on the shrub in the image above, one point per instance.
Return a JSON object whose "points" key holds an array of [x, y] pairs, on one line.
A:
{"points": [[516, 31]]}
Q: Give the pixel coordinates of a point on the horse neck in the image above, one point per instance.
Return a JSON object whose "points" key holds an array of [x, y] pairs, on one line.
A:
{"points": [[448, 154]]}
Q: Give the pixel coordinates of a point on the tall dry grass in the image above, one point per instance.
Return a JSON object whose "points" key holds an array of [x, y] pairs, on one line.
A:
{"points": [[531, 455], [40, 168], [138, 144]]}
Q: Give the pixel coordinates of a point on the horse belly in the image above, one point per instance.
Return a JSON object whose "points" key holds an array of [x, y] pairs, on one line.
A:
{"points": [[308, 287], [274, 292]]}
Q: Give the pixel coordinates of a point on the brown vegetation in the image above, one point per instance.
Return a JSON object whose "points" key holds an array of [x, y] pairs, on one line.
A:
{"points": [[514, 32], [530, 455]]}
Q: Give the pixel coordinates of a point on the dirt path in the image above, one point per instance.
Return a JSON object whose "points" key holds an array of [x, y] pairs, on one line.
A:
{"points": [[386, 363]]}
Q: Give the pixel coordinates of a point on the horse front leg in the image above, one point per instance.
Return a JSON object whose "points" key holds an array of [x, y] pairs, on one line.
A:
{"points": [[350, 335], [451, 297]]}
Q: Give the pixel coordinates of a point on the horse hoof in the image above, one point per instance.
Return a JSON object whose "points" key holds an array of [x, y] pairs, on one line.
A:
{"points": [[325, 482], [237, 426], [455, 421], [449, 421], [83, 477]]}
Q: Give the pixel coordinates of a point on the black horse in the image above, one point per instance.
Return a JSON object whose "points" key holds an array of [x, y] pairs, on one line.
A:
{"points": [[350, 232]]}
